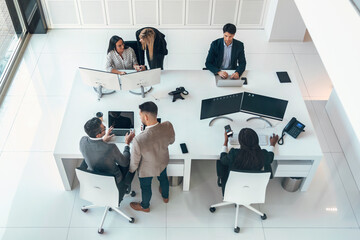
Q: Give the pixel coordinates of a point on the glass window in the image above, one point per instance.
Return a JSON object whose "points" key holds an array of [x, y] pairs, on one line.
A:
{"points": [[12, 33]]}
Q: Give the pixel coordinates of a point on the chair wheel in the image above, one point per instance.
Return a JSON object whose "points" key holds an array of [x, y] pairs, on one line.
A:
{"points": [[110, 209], [237, 229], [264, 217], [101, 231], [132, 220], [212, 209], [133, 194], [84, 209]]}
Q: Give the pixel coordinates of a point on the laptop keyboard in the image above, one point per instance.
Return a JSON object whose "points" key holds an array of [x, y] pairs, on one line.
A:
{"points": [[120, 132]]}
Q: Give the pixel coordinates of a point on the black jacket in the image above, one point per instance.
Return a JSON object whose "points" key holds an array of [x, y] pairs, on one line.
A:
{"points": [[159, 45], [216, 54]]}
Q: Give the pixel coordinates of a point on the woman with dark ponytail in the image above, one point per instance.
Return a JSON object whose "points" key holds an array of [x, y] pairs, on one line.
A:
{"points": [[250, 157]]}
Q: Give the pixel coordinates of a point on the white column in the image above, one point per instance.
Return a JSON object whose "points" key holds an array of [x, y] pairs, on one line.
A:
{"points": [[284, 22]]}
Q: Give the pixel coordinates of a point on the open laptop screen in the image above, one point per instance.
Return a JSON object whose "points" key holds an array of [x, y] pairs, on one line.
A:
{"points": [[121, 119]]}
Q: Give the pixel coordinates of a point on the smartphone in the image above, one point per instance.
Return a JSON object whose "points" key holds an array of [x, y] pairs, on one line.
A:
{"points": [[228, 131], [183, 148], [144, 126]]}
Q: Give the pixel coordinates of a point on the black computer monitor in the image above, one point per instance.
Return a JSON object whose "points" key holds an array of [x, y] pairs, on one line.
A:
{"points": [[214, 107], [263, 106], [121, 119]]}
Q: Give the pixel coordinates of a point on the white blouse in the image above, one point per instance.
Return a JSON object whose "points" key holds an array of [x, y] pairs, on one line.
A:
{"points": [[115, 61]]}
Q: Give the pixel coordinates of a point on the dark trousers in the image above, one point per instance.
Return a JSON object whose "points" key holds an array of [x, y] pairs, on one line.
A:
{"points": [[157, 61], [145, 185]]}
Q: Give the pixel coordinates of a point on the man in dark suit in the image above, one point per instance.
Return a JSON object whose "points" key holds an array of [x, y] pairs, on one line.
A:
{"points": [[103, 157], [226, 53]]}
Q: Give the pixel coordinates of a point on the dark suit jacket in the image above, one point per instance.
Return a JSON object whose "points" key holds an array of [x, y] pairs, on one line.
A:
{"points": [[102, 157], [224, 165], [216, 54], [159, 45]]}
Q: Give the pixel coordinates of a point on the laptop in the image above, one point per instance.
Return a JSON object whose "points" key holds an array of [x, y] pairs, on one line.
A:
{"points": [[228, 82], [122, 122]]}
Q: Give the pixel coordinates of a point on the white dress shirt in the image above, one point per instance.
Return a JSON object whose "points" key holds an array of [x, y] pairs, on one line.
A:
{"points": [[126, 61]]}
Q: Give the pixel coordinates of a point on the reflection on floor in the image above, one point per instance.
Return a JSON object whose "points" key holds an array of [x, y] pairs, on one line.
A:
{"points": [[33, 204]]}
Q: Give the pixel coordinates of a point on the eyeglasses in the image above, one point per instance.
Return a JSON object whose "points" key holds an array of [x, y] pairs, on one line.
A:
{"points": [[103, 129]]}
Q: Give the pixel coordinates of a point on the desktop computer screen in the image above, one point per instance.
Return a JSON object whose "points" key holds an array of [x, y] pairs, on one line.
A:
{"points": [[263, 106], [214, 107], [136, 80], [98, 78]]}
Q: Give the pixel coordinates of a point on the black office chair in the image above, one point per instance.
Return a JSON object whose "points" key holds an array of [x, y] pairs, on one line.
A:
{"points": [[134, 45]]}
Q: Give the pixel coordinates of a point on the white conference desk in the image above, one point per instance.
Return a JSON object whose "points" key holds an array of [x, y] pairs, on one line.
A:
{"points": [[296, 158]]}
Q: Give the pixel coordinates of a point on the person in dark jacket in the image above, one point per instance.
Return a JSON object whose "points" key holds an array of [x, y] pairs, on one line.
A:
{"points": [[153, 41], [226, 53], [250, 157]]}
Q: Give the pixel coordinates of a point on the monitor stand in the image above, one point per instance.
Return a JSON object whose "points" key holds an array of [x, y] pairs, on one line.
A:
{"points": [[102, 91], [143, 91], [261, 118], [216, 118]]}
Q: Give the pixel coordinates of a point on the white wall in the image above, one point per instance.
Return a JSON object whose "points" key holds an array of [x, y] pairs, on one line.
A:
{"points": [[284, 22], [335, 29], [159, 13], [345, 133]]}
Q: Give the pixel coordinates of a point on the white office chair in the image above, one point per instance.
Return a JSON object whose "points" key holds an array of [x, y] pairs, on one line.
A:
{"points": [[244, 189], [101, 191]]}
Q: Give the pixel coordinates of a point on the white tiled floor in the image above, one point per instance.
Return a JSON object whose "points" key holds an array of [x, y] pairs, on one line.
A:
{"points": [[33, 204]]}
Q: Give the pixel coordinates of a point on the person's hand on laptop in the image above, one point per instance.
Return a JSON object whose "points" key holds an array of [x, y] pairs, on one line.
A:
{"points": [[107, 137], [129, 137], [235, 75], [223, 74]]}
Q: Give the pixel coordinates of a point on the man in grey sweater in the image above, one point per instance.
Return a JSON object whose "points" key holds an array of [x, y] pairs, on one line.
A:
{"points": [[103, 157]]}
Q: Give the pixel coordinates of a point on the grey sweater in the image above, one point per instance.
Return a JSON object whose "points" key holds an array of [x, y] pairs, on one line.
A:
{"points": [[104, 157]]}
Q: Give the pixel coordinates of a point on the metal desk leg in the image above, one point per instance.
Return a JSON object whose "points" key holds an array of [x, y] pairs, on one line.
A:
{"points": [[187, 173]]}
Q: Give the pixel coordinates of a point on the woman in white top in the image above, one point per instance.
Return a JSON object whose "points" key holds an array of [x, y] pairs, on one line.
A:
{"points": [[120, 57]]}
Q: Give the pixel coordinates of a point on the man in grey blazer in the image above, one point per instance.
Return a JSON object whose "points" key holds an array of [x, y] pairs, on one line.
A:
{"points": [[150, 155], [103, 157]]}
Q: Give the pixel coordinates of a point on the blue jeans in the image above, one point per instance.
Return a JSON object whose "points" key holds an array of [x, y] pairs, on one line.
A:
{"points": [[145, 185]]}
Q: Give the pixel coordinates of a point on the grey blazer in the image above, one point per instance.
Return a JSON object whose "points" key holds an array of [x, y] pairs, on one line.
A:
{"points": [[104, 157], [150, 154]]}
